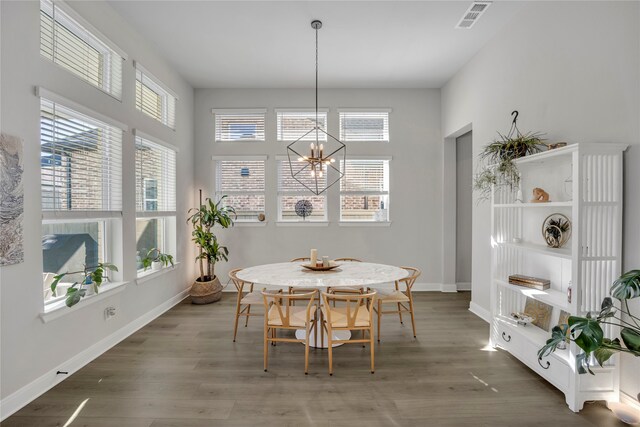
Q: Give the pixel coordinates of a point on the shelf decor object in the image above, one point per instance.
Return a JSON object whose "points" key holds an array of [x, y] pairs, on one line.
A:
{"points": [[588, 263], [309, 162], [529, 282], [556, 230]]}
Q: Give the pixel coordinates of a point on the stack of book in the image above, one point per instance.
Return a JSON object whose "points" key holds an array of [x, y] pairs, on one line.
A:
{"points": [[529, 282]]}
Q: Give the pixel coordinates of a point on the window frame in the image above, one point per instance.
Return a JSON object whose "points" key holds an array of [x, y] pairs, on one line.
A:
{"points": [[343, 111], [310, 111], [281, 160], [218, 193], [151, 82], [168, 217], [239, 111], [76, 25], [387, 193]]}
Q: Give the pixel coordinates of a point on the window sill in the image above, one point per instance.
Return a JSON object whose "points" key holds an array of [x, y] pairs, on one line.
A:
{"points": [[250, 223], [302, 223], [58, 309], [365, 223], [153, 274]]}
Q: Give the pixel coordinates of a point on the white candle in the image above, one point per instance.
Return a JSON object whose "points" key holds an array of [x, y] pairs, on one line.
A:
{"points": [[314, 256], [325, 261]]}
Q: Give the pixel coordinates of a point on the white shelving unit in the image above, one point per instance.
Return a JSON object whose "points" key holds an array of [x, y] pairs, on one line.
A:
{"points": [[584, 182]]}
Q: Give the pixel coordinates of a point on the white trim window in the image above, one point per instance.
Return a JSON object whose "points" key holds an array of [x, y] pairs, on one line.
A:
{"points": [[81, 181], [240, 125], [72, 43], [154, 98], [364, 125], [295, 202], [242, 180], [364, 190], [155, 198], [292, 125]]}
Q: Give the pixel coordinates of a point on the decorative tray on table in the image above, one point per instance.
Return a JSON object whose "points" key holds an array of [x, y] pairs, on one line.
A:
{"points": [[331, 266]]}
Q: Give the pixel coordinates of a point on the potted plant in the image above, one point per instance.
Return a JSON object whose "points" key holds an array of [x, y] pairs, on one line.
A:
{"points": [[207, 287], [496, 159], [587, 332], [92, 279], [155, 259]]}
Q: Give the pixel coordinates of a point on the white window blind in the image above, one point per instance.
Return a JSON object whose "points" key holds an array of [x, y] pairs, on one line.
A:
{"points": [[292, 125], [364, 190], [70, 44], [80, 161], [155, 177], [239, 125], [364, 126], [243, 182], [155, 99], [290, 192]]}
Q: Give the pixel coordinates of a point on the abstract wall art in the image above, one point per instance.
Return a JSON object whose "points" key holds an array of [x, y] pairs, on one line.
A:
{"points": [[11, 200]]}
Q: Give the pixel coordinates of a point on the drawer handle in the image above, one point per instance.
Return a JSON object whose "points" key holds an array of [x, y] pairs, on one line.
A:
{"points": [[540, 363], [506, 337]]}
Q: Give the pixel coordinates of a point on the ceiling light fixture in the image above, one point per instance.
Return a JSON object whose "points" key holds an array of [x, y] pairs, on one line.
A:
{"points": [[310, 170]]}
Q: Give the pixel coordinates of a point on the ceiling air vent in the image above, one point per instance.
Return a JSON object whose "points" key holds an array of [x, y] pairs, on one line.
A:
{"points": [[472, 14]]}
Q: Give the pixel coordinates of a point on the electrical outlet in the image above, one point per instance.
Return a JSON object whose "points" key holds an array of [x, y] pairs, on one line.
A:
{"points": [[109, 312]]}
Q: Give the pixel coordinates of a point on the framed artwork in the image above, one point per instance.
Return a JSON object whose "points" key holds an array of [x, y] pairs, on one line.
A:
{"points": [[540, 312], [11, 200]]}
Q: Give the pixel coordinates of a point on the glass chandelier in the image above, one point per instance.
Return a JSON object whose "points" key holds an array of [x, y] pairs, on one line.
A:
{"points": [[309, 166]]}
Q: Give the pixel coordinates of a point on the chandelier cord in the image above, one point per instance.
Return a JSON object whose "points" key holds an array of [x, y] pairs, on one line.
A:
{"points": [[316, 84]]}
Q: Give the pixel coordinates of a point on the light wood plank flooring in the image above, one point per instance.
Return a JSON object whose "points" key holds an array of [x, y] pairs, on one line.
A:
{"points": [[184, 370]]}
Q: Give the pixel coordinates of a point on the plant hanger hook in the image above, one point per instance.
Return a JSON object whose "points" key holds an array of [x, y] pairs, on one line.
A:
{"points": [[514, 126]]}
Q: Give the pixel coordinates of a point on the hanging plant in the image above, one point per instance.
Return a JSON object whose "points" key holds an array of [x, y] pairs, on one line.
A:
{"points": [[497, 168]]}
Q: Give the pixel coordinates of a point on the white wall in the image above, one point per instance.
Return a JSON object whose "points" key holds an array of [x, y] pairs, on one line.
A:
{"points": [[31, 348], [414, 237], [572, 69], [464, 202]]}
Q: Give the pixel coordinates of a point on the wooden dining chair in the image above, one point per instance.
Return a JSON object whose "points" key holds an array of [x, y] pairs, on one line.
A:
{"points": [[300, 259], [351, 315], [349, 290], [398, 297], [279, 313], [246, 298]]}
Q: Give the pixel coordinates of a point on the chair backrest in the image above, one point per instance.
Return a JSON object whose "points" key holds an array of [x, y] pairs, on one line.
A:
{"points": [[352, 303], [409, 281], [348, 259], [239, 284], [300, 259], [282, 303]]}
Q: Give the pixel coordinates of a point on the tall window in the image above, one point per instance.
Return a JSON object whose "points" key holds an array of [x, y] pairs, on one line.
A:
{"points": [[364, 190], [155, 198], [79, 48], [154, 98], [239, 125], [292, 125], [242, 180], [364, 126], [295, 202], [81, 179]]}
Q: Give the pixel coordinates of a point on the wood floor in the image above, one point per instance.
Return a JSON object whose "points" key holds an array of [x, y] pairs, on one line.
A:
{"points": [[184, 370]]}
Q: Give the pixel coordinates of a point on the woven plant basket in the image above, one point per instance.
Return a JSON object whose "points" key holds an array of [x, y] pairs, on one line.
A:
{"points": [[206, 292]]}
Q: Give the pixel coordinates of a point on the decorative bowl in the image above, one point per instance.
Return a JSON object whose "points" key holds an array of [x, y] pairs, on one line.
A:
{"points": [[331, 266]]}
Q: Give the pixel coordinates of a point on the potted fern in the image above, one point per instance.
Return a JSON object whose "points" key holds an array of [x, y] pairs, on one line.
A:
{"points": [[207, 287]]}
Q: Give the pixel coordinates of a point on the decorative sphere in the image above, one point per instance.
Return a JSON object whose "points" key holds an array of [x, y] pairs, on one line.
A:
{"points": [[304, 208]]}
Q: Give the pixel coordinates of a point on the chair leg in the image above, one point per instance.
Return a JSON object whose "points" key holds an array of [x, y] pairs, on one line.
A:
{"points": [[379, 318], [274, 336], [363, 336], [235, 326], [372, 350], [413, 322], [266, 347], [330, 348], [306, 351], [246, 322], [399, 307]]}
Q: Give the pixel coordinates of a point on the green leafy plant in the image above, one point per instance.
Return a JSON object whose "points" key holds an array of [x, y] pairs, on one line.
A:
{"points": [[203, 220], [155, 255], [497, 167], [587, 331], [92, 277]]}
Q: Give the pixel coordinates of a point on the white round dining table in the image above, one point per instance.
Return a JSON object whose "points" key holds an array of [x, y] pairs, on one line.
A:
{"points": [[347, 274]]}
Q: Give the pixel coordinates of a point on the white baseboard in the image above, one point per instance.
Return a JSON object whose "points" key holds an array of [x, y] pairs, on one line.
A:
{"points": [[480, 312], [33, 390], [463, 286]]}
